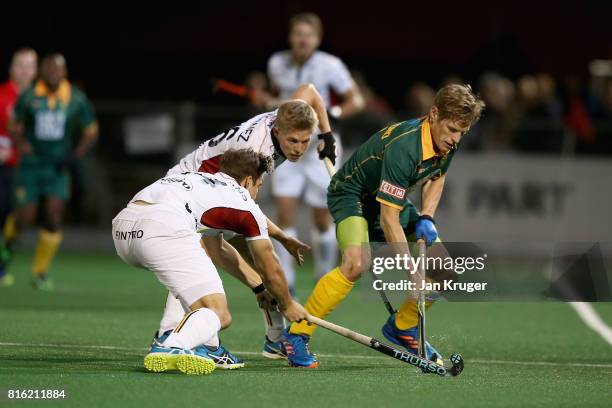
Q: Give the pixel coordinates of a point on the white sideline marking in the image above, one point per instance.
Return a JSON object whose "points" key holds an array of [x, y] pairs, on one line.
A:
{"points": [[343, 356], [591, 318]]}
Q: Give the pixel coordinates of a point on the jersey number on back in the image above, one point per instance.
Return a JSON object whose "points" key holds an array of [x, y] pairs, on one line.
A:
{"points": [[227, 135]]}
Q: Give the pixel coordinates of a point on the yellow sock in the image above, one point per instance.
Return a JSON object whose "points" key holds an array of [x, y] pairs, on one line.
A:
{"points": [[10, 231], [329, 291], [48, 242], [408, 314]]}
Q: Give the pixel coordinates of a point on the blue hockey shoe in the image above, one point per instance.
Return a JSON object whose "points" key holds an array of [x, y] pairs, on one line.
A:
{"points": [[296, 347], [409, 339], [222, 357]]}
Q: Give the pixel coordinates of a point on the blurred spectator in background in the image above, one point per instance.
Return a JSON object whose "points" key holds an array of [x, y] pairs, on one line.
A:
{"points": [[377, 113], [419, 98], [539, 126], [287, 70], [603, 120], [22, 72], [599, 80], [495, 129], [48, 117], [374, 104], [607, 111], [599, 106], [577, 116]]}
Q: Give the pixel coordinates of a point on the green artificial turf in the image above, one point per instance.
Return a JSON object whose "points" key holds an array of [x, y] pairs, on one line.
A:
{"points": [[89, 336]]}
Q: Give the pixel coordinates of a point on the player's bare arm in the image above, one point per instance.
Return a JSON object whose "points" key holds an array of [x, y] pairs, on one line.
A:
{"points": [[16, 129], [430, 195], [390, 223], [267, 265], [88, 138], [352, 103], [223, 254], [293, 245], [227, 257], [309, 94]]}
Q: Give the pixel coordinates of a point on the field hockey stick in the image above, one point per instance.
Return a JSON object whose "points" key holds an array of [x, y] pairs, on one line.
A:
{"points": [[421, 299], [424, 364], [222, 85], [332, 170]]}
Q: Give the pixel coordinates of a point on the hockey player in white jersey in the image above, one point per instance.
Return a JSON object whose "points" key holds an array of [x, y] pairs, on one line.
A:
{"points": [[284, 135], [160, 231], [288, 70]]}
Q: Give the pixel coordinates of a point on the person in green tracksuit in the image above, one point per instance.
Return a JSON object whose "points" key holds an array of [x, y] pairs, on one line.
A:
{"points": [[49, 119], [368, 199]]}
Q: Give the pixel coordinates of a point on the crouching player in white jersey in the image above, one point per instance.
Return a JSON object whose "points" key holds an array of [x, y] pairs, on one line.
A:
{"points": [[284, 135], [160, 231]]}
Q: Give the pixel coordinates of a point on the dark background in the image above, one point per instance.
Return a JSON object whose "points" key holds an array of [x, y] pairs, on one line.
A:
{"points": [[116, 51]]}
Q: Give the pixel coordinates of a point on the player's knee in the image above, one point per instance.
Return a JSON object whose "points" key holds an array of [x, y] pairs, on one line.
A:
{"points": [[353, 268], [225, 318], [322, 224], [24, 218], [355, 263], [285, 212], [322, 219], [53, 221], [285, 220], [53, 225]]}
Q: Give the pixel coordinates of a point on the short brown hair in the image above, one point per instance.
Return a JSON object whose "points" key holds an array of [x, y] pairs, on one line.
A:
{"points": [[296, 115], [459, 103], [242, 163], [309, 18]]}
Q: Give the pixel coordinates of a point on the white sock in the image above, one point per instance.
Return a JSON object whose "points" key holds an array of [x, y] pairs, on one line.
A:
{"points": [[274, 326], [324, 251], [197, 328], [285, 258], [173, 314], [213, 342]]}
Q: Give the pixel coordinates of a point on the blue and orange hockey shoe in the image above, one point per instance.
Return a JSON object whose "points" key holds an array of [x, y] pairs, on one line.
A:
{"points": [[296, 347], [409, 339], [162, 359], [222, 357]]}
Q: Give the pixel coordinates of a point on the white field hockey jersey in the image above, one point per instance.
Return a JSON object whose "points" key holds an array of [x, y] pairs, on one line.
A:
{"points": [[325, 71], [208, 203], [255, 133]]}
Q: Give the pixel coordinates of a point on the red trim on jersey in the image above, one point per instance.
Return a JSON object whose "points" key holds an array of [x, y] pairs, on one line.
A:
{"points": [[8, 98], [211, 165], [240, 221]]}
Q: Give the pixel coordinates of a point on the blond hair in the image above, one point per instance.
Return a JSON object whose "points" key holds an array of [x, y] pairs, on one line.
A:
{"points": [[459, 103], [296, 115]]}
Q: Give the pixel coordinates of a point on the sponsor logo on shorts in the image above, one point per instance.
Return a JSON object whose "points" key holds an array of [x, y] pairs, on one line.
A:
{"points": [[123, 235], [393, 190]]}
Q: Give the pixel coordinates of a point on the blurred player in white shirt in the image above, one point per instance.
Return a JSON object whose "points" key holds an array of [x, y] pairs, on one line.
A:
{"points": [[287, 70], [160, 231]]}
